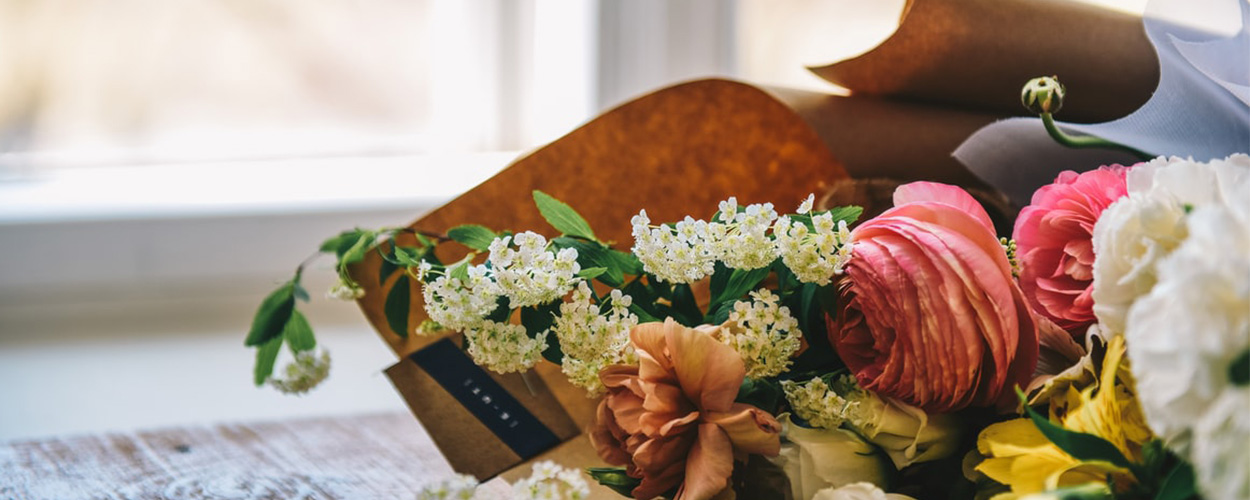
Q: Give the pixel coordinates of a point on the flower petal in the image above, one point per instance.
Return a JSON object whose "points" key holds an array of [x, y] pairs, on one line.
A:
{"points": [[918, 192], [708, 466], [709, 372], [750, 429]]}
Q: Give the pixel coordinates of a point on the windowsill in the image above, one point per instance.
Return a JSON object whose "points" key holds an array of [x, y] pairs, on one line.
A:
{"points": [[244, 188], [141, 233]]}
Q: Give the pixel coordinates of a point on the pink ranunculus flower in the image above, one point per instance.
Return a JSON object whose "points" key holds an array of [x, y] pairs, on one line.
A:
{"points": [[1054, 242], [930, 313], [672, 420]]}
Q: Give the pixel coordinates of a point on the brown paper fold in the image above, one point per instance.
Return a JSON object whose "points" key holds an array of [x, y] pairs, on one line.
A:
{"points": [[469, 445], [976, 54]]}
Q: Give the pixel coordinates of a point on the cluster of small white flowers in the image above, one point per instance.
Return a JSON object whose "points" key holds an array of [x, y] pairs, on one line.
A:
{"points": [[307, 371], [551, 482], [822, 406], [458, 304], [503, 347], [679, 254], [764, 333], [592, 341], [813, 256], [458, 487], [743, 242], [531, 275], [344, 291]]}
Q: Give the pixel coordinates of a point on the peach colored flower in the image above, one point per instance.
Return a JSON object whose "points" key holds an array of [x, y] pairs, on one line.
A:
{"points": [[930, 313], [1054, 241], [672, 420]]}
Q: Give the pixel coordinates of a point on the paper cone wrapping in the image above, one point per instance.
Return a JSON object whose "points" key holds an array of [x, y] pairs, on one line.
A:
{"points": [[977, 54]]}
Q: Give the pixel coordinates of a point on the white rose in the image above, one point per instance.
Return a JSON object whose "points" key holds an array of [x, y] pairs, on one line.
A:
{"points": [[906, 433], [858, 491], [1138, 230], [814, 459]]}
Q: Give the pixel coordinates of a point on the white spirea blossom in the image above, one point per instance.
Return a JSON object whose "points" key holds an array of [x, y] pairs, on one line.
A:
{"points": [[308, 370], [592, 340], [503, 347], [461, 305], [458, 487], [345, 291], [806, 206], [764, 333], [530, 274], [679, 254], [827, 407], [814, 256], [744, 242], [551, 482], [1147, 224]]}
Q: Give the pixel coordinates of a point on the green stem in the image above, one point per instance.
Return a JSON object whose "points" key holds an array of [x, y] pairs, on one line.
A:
{"points": [[1087, 141]]}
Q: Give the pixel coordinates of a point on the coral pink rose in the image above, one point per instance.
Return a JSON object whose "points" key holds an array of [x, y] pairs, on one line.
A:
{"points": [[672, 419], [930, 313], [1054, 244]]}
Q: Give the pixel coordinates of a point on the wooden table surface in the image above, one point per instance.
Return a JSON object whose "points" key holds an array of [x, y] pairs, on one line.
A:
{"points": [[371, 456]]}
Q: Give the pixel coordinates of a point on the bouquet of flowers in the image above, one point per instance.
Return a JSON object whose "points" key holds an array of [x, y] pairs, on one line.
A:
{"points": [[1100, 350]]}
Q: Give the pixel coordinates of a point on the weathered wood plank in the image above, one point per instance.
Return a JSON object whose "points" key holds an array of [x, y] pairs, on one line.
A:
{"points": [[372, 456]]}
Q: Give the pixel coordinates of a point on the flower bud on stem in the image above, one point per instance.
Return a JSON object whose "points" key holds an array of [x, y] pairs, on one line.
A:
{"points": [[1044, 96]]}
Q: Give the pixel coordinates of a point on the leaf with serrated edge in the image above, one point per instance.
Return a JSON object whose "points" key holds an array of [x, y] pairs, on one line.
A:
{"points": [[562, 217]]}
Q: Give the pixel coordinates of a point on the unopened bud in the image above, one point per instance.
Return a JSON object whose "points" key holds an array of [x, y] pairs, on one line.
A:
{"points": [[1043, 95]]}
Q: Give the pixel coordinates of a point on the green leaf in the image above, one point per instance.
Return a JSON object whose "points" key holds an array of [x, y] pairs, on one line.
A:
{"points": [[1079, 445], [625, 262], [389, 265], [298, 333], [615, 479], [272, 315], [591, 255], [538, 319], [1178, 484], [298, 290], [398, 301], [685, 309], [357, 251], [849, 213], [765, 394], [502, 312], [408, 256], [643, 315], [739, 283], [460, 271], [472, 236], [266, 356], [1239, 370], [591, 273], [562, 217], [339, 244]]}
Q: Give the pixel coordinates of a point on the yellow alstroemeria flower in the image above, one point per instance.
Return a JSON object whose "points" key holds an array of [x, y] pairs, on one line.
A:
{"points": [[1020, 456]]}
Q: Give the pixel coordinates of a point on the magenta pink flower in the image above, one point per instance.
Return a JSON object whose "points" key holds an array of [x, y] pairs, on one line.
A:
{"points": [[1054, 244], [930, 313]]}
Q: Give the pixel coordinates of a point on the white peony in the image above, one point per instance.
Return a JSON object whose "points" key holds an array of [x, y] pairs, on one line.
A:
{"points": [[858, 491], [1187, 327], [1140, 229], [1220, 440]]}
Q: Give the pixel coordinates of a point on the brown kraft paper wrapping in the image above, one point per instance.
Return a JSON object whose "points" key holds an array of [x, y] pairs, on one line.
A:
{"points": [[977, 54]]}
